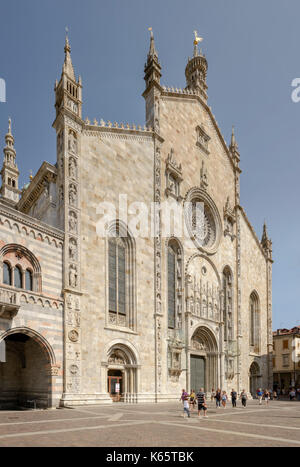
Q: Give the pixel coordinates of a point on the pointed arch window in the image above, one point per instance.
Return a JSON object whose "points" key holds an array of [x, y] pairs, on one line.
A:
{"points": [[254, 312], [7, 276], [117, 276], [121, 278]]}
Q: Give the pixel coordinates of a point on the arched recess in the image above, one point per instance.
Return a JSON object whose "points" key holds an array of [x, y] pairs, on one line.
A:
{"points": [[122, 370], [254, 378], [121, 275], [203, 359], [19, 251], [27, 370]]}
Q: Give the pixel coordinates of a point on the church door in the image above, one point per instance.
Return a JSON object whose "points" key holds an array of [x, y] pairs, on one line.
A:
{"points": [[197, 372], [115, 390]]}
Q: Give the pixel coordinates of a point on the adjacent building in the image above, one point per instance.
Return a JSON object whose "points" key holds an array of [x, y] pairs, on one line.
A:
{"points": [[286, 359]]}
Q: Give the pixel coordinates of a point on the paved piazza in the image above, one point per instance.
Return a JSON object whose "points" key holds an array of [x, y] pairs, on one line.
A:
{"points": [[156, 425]]}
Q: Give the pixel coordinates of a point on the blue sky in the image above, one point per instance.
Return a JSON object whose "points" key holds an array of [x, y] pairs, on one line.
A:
{"points": [[253, 55]]}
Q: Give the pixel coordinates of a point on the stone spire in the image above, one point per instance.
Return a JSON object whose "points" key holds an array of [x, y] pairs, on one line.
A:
{"points": [[196, 72], [266, 242], [68, 66], [234, 149], [68, 90], [10, 172], [152, 67]]}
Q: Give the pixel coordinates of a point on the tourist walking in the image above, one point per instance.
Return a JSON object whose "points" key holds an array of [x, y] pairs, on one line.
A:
{"points": [[184, 394], [244, 397], [233, 397], [201, 402], [218, 397], [260, 395], [186, 408], [192, 399], [213, 394], [266, 396], [224, 399]]}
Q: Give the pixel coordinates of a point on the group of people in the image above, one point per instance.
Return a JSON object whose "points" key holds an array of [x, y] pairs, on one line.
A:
{"points": [[189, 401], [221, 397]]}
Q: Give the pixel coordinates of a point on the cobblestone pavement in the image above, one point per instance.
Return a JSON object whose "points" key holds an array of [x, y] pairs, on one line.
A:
{"points": [[155, 425]]}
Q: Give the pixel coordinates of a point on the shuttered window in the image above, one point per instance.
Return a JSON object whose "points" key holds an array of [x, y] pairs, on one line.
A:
{"points": [[171, 288], [117, 276]]}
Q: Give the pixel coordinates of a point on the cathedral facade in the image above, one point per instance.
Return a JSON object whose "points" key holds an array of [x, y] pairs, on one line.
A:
{"points": [[87, 318]]}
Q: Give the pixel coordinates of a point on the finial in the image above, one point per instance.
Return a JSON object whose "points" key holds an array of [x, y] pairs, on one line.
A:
{"points": [[30, 176], [9, 125], [67, 44], [196, 42], [152, 50]]}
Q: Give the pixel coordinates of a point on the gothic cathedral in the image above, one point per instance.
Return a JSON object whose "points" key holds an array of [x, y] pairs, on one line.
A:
{"points": [[91, 319]]}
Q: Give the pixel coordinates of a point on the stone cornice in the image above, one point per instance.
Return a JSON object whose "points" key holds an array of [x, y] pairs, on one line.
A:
{"points": [[47, 172], [31, 222], [188, 95], [254, 233], [117, 132]]}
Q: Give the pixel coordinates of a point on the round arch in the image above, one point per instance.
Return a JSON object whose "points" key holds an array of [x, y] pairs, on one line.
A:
{"points": [[36, 337], [22, 250], [27, 370], [121, 362]]}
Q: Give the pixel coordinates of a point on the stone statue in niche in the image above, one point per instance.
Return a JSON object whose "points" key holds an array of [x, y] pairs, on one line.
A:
{"points": [[73, 249], [73, 275], [46, 189], [72, 168], [72, 142], [72, 195], [73, 222]]}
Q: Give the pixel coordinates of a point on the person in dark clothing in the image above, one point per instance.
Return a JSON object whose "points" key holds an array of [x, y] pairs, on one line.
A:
{"points": [[218, 397], [201, 402], [233, 397]]}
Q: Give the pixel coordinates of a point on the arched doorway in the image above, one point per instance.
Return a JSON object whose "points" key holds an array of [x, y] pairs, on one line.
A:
{"points": [[203, 360], [25, 377], [122, 374], [255, 378]]}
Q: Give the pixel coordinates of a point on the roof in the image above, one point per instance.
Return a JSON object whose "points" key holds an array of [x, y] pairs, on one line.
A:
{"points": [[285, 332]]}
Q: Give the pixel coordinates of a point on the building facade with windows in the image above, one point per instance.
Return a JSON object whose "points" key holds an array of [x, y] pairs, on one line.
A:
{"points": [[126, 316], [286, 359]]}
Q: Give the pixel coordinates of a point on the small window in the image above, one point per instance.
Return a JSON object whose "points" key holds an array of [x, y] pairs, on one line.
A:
{"points": [[285, 344], [18, 278], [6, 274], [285, 360], [28, 280]]}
